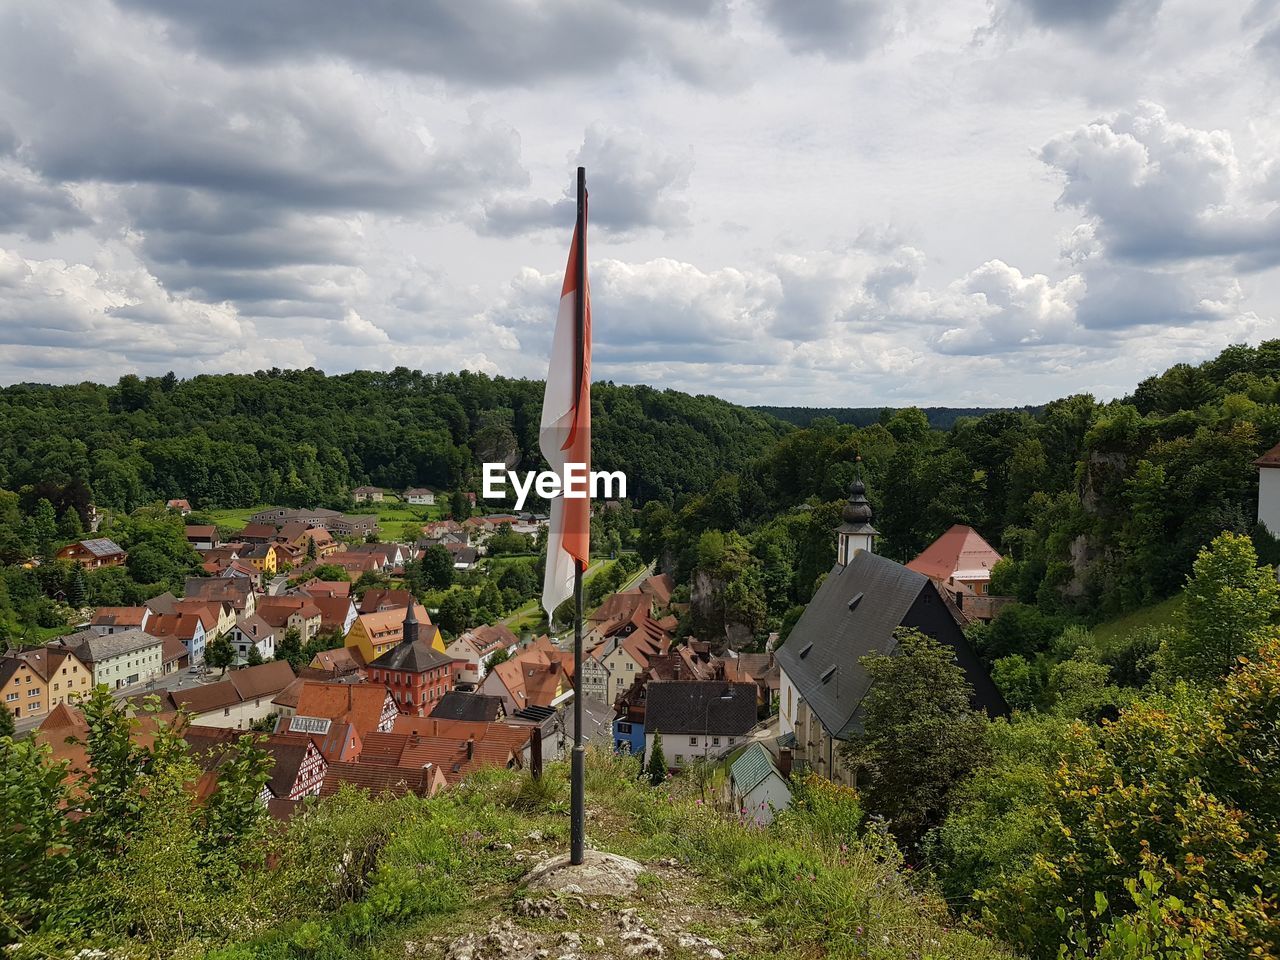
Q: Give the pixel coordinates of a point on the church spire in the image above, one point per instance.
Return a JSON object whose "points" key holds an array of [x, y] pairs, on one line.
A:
{"points": [[856, 532], [411, 623]]}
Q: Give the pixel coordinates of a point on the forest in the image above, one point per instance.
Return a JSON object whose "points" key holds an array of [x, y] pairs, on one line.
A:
{"points": [[1098, 507], [301, 438]]}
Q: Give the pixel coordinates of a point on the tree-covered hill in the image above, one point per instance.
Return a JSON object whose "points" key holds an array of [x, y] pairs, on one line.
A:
{"points": [[1099, 507], [299, 437], [940, 418]]}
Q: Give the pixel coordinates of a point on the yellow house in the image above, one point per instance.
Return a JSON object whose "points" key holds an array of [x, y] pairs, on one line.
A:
{"points": [[33, 682], [262, 557], [373, 634]]}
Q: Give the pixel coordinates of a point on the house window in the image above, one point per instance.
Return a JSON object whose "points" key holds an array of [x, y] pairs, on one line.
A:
{"points": [[226, 711], [732, 741], [693, 741], [679, 759], [715, 741]]}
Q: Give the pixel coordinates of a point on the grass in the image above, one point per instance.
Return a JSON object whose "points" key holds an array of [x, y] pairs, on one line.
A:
{"points": [[1156, 615], [391, 510], [814, 884]]}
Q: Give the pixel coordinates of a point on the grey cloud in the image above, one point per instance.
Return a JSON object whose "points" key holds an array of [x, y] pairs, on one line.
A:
{"points": [[34, 207], [838, 29], [233, 185], [633, 184], [482, 42]]}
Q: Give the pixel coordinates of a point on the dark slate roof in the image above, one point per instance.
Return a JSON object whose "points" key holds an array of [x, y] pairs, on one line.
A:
{"points": [[457, 705], [102, 547], [830, 634], [415, 656], [697, 707]]}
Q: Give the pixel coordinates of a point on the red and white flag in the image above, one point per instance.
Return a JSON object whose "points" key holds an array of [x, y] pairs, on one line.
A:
{"points": [[565, 433]]}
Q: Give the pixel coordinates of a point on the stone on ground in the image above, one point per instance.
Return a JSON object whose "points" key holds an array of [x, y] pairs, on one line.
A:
{"points": [[600, 874]]}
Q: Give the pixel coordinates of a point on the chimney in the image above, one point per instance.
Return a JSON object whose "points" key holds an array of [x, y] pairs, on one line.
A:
{"points": [[471, 747]]}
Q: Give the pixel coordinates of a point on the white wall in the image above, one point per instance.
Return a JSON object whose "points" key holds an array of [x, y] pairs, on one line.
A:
{"points": [[1269, 498], [770, 796], [788, 703], [239, 716]]}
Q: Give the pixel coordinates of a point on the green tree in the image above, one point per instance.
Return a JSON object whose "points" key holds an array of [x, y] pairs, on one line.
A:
{"points": [[69, 525], [459, 505], [7, 726], [437, 567], [457, 611], [290, 649], [1229, 602], [921, 737], [657, 765], [44, 529], [254, 657], [219, 653]]}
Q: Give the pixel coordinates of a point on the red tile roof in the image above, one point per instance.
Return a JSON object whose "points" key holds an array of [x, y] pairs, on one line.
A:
{"points": [[1269, 459], [961, 550]]}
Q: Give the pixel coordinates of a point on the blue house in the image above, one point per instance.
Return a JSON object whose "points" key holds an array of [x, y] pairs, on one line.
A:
{"points": [[628, 734]]}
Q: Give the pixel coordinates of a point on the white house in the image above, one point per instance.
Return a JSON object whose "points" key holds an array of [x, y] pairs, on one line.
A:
{"points": [[119, 659], [1269, 490], [756, 789], [420, 496]]}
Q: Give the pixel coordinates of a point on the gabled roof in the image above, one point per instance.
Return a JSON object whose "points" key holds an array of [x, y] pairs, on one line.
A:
{"points": [[201, 531], [620, 607], [459, 705], [361, 703], [960, 552], [119, 616], [534, 674], [91, 648], [102, 547], [257, 531], [340, 660], [333, 611], [388, 624], [289, 750], [855, 613], [490, 638], [752, 767], [234, 590], [416, 741], [1269, 459], [184, 625], [379, 779], [327, 588], [277, 610], [700, 707], [265, 678], [382, 598], [659, 587], [417, 656]]}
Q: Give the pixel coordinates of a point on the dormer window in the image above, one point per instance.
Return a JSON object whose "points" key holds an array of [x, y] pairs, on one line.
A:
{"points": [[828, 673], [855, 600], [805, 652]]}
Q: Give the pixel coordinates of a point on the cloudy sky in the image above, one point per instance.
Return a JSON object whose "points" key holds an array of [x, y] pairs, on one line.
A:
{"points": [[827, 202]]}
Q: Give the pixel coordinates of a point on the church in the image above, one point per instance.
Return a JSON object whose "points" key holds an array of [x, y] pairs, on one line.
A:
{"points": [[855, 612]]}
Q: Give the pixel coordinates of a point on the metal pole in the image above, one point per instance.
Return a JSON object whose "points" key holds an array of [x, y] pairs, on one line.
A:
{"points": [[578, 766]]}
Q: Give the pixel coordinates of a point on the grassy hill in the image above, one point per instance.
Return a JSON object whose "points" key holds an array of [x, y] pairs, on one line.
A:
{"points": [[410, 877], [1156, 615]]}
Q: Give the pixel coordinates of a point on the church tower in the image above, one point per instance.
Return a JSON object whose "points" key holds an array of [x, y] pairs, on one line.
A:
{"points": [[856, 532], [411, 623]]}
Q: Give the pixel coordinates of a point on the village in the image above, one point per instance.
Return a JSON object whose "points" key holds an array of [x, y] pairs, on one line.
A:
{"points": [[391, 705]]}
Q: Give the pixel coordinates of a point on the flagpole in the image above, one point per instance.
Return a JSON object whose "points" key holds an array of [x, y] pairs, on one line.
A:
{"points": [[578, 767]]}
